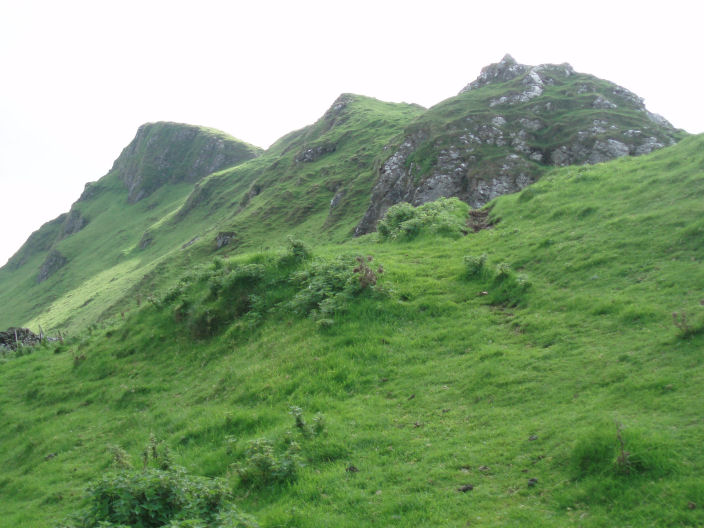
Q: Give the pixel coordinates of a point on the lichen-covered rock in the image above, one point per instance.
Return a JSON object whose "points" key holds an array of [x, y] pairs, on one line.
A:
{"points": [[507, 127], [53, 262]]}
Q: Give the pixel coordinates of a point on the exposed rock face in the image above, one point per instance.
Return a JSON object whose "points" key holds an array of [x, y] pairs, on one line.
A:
{"points": [[146, 240], [480, 145], [224, 238], [310, 154], [54, 262], [169, 152], [74, 222]]}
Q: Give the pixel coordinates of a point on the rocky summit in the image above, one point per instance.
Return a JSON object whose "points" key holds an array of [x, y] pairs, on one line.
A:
{"points": [[503, 130]]}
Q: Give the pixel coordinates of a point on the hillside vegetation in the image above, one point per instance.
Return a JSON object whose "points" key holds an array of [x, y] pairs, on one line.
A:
{"points": [[162, 206], [543, 371]]}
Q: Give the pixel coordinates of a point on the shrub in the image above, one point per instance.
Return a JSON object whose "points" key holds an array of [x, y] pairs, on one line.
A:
{"points": [[687, 328], [507, 288], [158, 496], [475, 267], [263, 466], [327, 286], [297, 251], [443, 217]]}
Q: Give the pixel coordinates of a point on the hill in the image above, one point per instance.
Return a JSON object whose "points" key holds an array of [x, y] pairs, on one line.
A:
{"points": [[234, 352], [99, 244], [179, 193], [565, 396], [506, 128]]}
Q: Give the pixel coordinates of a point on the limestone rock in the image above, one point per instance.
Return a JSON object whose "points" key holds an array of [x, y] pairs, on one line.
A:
{"points": [[310, 154]]}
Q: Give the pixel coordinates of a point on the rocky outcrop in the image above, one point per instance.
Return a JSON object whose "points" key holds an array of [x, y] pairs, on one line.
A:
{"points": [[164, 153], [225, 238], [314, 153], [73, 223], [480, 144], [53, 263]]}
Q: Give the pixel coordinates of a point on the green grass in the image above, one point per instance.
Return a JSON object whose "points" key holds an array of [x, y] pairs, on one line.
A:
{"points": [[262, 200], [426, 385]]}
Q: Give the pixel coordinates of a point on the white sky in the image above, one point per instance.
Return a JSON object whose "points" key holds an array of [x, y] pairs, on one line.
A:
{"points": [[78, 77]]}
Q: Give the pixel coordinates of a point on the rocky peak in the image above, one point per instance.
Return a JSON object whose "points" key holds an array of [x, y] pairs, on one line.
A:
{"points": [[494, 140], [508, 69], [164, 153], [338, 106]]}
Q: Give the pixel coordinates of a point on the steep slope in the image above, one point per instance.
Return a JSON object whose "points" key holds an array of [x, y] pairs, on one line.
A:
{"points": [[99, 240], [314, 181], [146, 212], [547, 386], [506, 128]]}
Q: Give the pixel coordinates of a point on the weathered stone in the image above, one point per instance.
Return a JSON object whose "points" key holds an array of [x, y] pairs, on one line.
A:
{"points": [[463, 159], [90, 190], [224, 238], [310, 154], [339, 195], [164, 153], [146, 240], [53, 262], [603, 103], [648, 145], [607, 150], [74, 222], [13, 338]]}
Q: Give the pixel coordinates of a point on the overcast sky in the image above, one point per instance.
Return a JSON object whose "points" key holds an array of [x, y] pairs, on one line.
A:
{"points": [[79, 77]]}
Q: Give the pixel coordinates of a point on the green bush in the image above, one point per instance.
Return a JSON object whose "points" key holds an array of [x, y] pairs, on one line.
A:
{"points": [[507, 288], [262, 466], [159, 495], [444, 217], [475, 267], [327, 286], [297, 251]]}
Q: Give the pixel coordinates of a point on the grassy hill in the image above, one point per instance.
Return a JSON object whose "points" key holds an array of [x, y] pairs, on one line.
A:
{"points": [[165, 200], [528, 374], [98, 248]]}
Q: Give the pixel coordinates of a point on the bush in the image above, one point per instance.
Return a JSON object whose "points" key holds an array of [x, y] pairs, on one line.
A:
{"points": [[475, 267], [262, 466], [297, 251], [159, 495], [327, 286], [507, 288], [443, 217]]}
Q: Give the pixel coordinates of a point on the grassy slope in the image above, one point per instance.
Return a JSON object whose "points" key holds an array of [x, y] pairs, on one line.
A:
{"points": [[267, 198], [422, 388], [293, 197], [104, 258]]}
